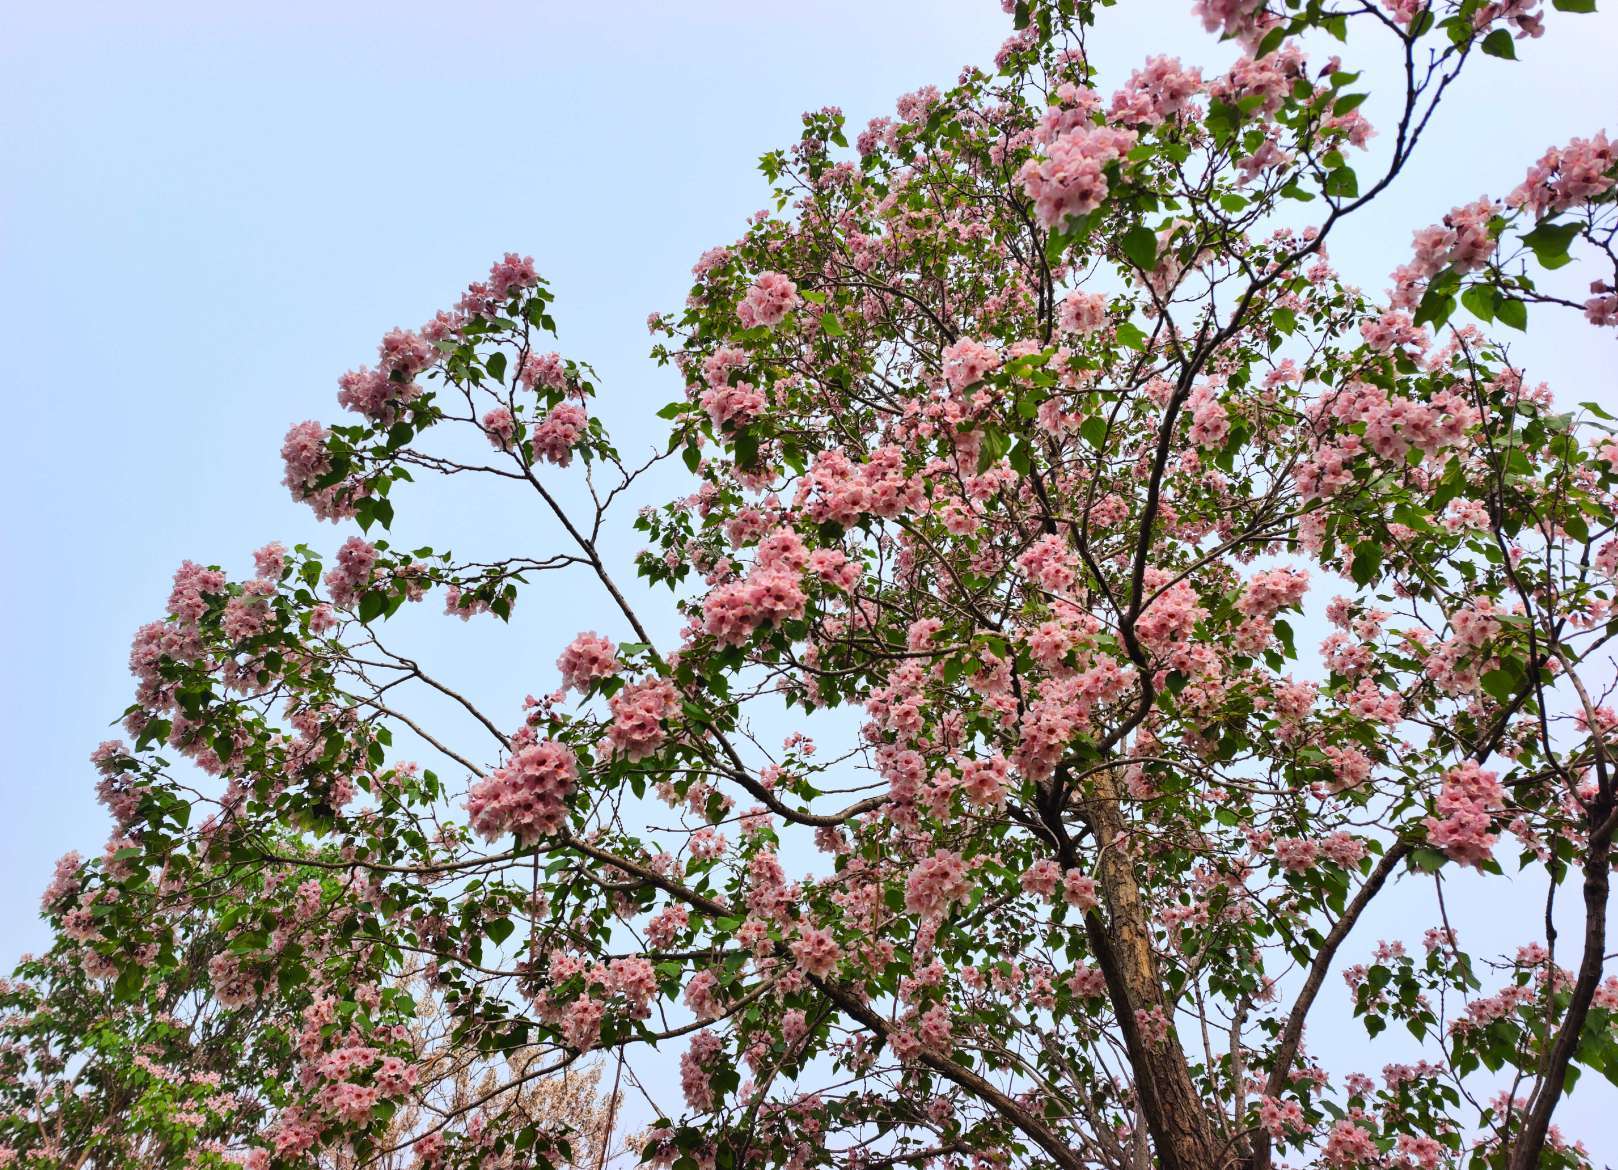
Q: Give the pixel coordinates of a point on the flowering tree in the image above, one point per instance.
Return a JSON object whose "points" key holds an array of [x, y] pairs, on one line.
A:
{"points": [[1022, 443]]}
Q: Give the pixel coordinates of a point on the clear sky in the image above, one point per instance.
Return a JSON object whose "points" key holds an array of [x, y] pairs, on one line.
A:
{"points": [[209, 211]]}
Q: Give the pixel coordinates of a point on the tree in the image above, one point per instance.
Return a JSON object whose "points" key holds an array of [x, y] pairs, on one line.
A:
{"points": [[1023, 440]]}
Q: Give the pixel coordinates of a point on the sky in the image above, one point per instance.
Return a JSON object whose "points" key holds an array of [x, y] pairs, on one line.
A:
{"points": [[207, 212]]}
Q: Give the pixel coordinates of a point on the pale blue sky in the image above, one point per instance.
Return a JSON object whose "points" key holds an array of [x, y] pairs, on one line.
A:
{"points": [[207, 212]]}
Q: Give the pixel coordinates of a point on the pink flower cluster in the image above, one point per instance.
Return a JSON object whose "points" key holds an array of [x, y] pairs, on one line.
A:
{"points": [[303, 453], [1393, 425], [695, 1064], [1392, 330], [587, 659], [769, 595], [936, 883], [348, 578], [1210, 422], [841, 491], [638, 712], [1271, 591], [1462, 242], [1349, 1144], [528, 796], [1279, 1118], [545, 370], [1063, 711], [558, 433], [64, 882], [1082, 313], [1242, 20], [771, 297], [500, 428], [192, 585], [1466, 807], [1269, 79], [1050, 564], [967, 362], [1156, 93], [1170, 618], [635, 979], [732, 405], [1071, 180], [816, 951], [1568, 175], [1079, 891], [984, 781], [702, 996]]}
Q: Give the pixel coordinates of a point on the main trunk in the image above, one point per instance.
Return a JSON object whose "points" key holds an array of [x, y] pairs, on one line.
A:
{"points": [[1175, 1116]]}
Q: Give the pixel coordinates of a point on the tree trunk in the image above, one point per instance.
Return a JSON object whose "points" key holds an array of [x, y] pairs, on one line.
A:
{"points": [[1122, 941]]}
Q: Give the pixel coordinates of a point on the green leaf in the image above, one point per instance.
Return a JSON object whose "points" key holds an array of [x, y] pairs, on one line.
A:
{"points": [[1140, 245], [1499, 44], [1574, 5], [496, 365], [1550, 242], [1367, 562], [1094, 430], [1512, 312], [1342, 183], [1129, 335], [1222, 120], [372, 605], [1479, 301], [1502, 684], [1426, 860], [499, 930], [1436, 306]]}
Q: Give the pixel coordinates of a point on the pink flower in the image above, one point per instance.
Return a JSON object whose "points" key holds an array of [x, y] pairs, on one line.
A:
{"points": [[1041, 877], [732, 406], [1465, 813], [1569, 175], [1082, 313], [587, 659], [816, 951], [581, 1025], [967, 362], [558, 433], [695, 1064], [1281, 1118], [511, 274], [936, 883], [528, 796], [1296, 854], [702, 996], [771, 297], [500, 427], [1071, 181], [1242, 20], [638, 712], [1079, 891], [352, 573], [1349, 1145], [270, 560], [1156, 93], [545, 370], [984, 781], [1210, 424], [1271, 591]]}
